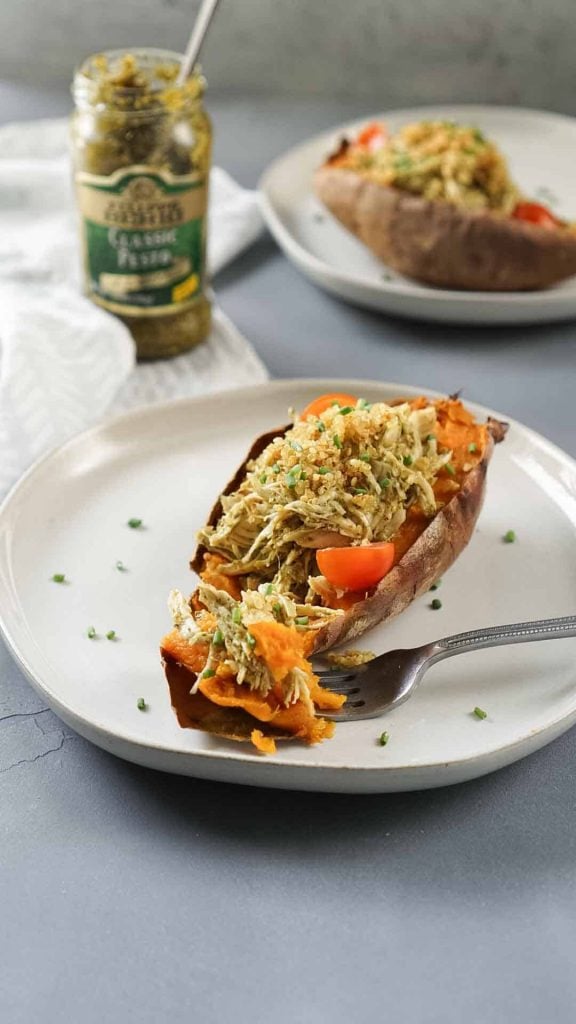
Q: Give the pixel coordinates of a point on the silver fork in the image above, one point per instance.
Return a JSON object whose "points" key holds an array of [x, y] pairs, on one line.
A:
{"points": [[387, 681]]}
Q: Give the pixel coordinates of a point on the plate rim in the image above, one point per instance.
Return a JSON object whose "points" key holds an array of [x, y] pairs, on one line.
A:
{"points": [[289, 243], [88, 727]]}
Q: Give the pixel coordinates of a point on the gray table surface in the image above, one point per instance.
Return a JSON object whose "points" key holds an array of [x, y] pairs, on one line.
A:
{"points": [[132, 896]]}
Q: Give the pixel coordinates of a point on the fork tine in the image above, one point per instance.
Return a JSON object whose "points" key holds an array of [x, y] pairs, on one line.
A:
{"points": [[330, 676]]}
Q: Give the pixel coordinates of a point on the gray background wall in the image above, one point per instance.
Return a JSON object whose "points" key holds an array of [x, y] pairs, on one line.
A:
{"points": [[391, 52]]}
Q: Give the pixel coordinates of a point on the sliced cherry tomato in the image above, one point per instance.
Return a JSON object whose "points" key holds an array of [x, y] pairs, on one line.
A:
{"points": [[373, 136], [324, 402], [356, 568], [535, 213]]}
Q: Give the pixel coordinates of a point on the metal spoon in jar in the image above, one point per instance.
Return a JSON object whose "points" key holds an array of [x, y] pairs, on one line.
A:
{"points": [[201, 26]]}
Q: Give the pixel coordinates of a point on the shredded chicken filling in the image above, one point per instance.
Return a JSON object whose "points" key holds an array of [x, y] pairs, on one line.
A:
{"points": [[344, 478]]}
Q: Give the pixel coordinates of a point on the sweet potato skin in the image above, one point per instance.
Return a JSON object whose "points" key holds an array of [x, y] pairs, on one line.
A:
{"points": [[439, 244], [437, 547]]}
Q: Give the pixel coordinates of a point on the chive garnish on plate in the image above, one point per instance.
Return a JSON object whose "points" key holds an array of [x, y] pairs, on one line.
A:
{"points": [[59, 577], [480, 713], [141, 704], [134, 524], [436, 604], [509, 537]]}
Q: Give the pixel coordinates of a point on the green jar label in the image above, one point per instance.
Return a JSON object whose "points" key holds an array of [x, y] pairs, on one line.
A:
{"points": [[144, 239]]}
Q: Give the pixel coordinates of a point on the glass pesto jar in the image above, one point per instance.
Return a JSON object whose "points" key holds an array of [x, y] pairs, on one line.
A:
{"points": [[142, 151]]}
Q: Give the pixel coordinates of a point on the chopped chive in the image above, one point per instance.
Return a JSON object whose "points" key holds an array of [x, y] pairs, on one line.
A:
{"points": [[450, 469], [407, 460], [347, 409], [134, 524], [236, 615], [141, 704], [323, 470], [296, 446], [269, 589], [384, 482], [436, 604], [480, 713], [321, 427], [332, 404], [302, 620], [111, 634], [276, 608], [365, 457], [59, 577], [430, 437], [90, 632], [208, 673], [383, 739], [360, 490], [218, 638], [363, 404], [251, 640], [509, 537], [472, 447], [337, 441], [293, 475], [276, 468], [436, 585], [120, 566], [263, 478], [302, 475]]}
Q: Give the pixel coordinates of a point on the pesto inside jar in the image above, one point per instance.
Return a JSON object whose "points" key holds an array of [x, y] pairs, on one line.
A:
{"points": [[142, 152]]}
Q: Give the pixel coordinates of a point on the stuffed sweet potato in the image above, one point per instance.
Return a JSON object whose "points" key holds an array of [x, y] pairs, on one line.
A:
{"points": [[331, 525], [435, 202]]}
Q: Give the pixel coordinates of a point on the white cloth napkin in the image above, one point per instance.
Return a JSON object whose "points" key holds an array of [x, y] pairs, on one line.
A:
{"points": [[64, 362]]}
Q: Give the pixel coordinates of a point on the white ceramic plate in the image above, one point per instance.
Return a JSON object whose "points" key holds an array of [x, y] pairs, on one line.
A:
{"points": [[166, 465], [541, 152]]}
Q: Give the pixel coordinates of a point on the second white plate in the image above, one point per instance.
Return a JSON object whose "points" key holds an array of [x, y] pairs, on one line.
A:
{"points": [[541, 151]]}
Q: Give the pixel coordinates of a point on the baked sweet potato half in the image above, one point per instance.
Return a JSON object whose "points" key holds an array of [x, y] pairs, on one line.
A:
{"points": [[331, 525], [435, 203]]}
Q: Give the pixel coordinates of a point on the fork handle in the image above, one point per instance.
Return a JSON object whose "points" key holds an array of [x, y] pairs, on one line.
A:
{"points": [[495, 636]]}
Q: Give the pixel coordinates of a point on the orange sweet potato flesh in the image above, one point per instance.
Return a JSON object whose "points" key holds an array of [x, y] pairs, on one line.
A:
{"points": [[230, 709]]}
